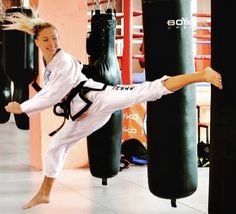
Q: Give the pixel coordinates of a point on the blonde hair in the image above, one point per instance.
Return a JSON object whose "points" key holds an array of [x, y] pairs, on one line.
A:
{"points": [[31, 25]]}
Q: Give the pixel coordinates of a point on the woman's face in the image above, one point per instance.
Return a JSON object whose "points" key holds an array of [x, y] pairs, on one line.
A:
{"points": [[47, 41]]}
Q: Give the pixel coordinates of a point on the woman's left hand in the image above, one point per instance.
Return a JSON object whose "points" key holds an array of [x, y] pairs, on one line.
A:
{"points": [[13, 107]]}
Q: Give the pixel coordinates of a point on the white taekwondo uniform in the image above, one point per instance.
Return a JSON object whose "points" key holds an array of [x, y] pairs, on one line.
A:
{"points": [[61, 75]]}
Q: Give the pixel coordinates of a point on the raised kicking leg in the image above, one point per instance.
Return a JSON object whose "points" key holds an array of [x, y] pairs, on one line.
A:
{"points": [[207, 75]]}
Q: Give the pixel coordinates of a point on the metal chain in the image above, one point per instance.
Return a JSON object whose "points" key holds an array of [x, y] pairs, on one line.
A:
{"points": [[114, 4], [98, 7], [109, 5], [114, 7], [2, 14]]}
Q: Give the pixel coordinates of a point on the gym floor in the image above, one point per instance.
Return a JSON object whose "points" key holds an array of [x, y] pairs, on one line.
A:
{"points": [[78, 192]]}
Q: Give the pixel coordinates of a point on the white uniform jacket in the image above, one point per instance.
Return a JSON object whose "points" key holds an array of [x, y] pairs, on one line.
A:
{"points": [[61, 75]]}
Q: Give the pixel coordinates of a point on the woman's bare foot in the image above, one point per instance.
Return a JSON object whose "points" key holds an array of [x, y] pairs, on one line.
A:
{"points": [[36, 200], [43, 195], [213, 77]]}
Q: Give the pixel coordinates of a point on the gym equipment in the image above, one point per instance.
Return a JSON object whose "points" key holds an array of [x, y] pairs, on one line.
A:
{"points": [[171, 121], [223, 148], [20, 60], [5, 86], [104, 145]]}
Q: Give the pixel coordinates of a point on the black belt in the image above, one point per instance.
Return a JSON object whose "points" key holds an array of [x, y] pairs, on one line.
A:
{"points": [[65, 104], [36, 86]]}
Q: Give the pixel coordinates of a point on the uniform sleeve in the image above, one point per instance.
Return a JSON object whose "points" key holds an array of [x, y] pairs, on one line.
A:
{"points": [[163, 89], [62, 79]]}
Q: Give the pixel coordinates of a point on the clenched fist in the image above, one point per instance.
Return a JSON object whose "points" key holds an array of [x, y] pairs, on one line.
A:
{"points": [[13, 107]]}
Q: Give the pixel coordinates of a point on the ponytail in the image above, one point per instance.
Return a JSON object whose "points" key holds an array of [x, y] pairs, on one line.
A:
{"points": [[31, 25]]}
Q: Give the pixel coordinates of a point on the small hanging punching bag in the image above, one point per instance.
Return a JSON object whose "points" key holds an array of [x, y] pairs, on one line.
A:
{"points": [[104, 145], [222, 178], [171, 121], [5, 85], [20, 62]]}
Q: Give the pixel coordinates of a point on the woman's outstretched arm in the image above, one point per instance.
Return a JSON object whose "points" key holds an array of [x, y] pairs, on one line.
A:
{"points": [[209, 75]]}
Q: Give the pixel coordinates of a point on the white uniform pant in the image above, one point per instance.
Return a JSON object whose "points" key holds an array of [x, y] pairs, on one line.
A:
{"points": [[104, 104]]}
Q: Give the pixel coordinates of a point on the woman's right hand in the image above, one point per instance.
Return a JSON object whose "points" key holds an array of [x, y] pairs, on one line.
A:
{"points": [[14, 107]]}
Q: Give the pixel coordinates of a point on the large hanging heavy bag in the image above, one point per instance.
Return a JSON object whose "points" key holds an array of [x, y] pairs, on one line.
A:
{"points": [[20, 63], [222, 178], [104, 145], [5, 86], [171, 121]]}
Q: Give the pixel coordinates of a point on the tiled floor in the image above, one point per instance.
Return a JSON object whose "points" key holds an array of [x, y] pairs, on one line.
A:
{"points": [[78, 192]]}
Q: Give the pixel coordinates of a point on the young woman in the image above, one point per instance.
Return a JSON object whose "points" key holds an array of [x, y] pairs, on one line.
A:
{"points": [[62, 74]]}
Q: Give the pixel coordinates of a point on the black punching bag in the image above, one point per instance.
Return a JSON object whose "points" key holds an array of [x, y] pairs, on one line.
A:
{"points": [[20, 61], [104, 145], [5, 86], [171, 121], [222, 182]]}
